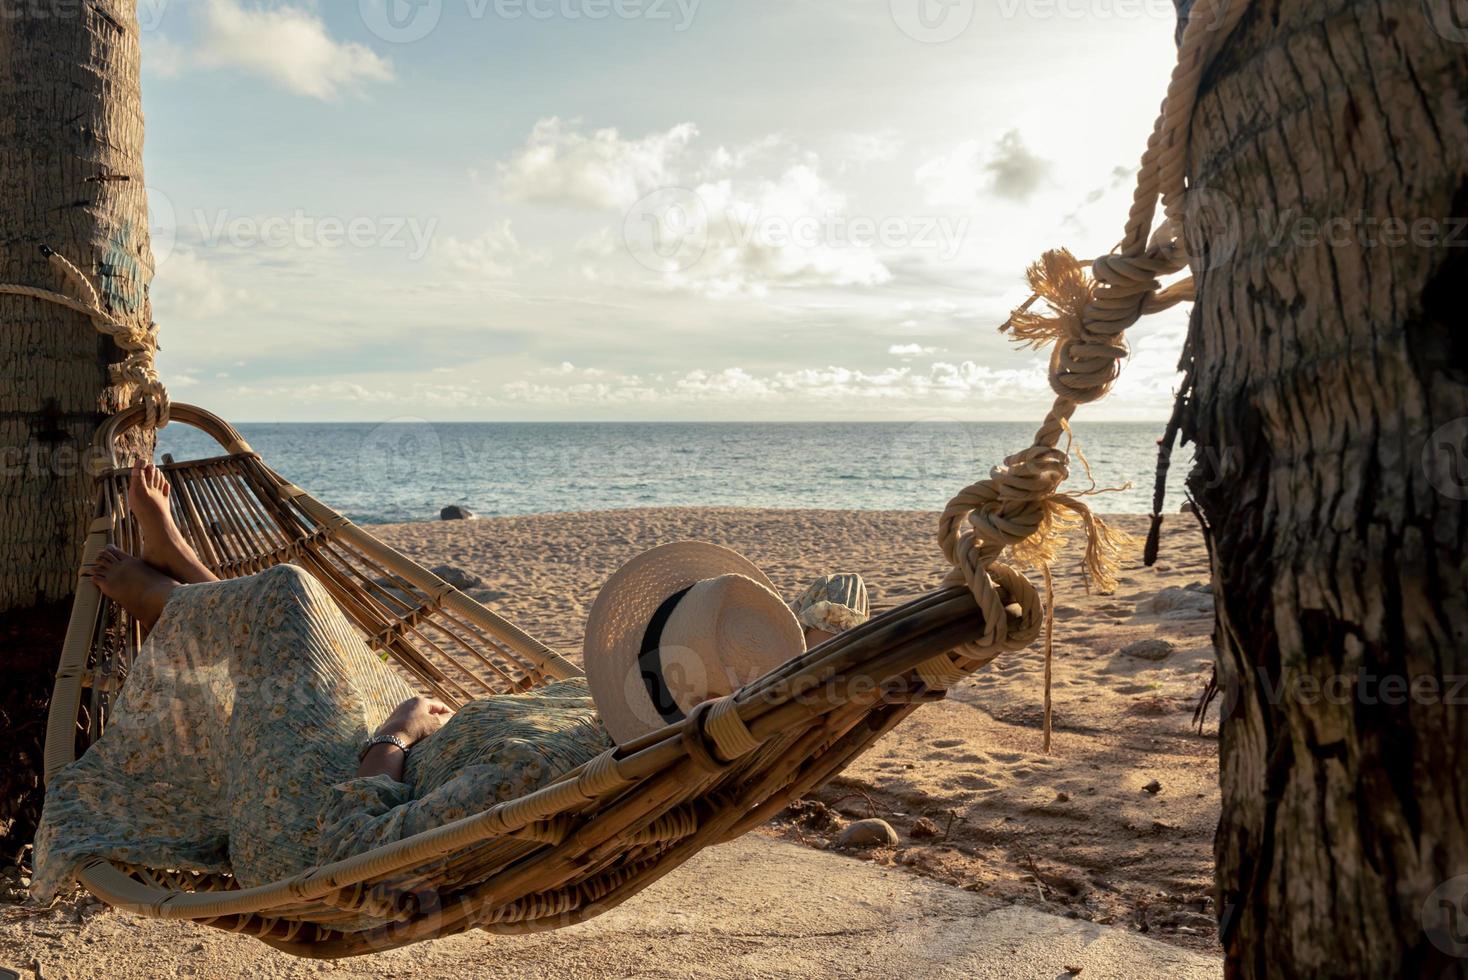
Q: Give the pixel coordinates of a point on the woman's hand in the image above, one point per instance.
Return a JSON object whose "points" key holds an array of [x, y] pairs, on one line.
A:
{"points": [[416, 719]]}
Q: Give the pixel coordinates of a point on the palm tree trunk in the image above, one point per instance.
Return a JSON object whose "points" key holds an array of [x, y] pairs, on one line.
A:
{"points": [[71, 177], [1330, 154]]}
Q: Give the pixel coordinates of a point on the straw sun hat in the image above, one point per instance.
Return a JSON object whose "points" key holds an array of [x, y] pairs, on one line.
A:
{"points": [[678, 625]]}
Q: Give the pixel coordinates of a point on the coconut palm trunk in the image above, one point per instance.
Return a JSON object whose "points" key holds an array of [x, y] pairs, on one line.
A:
{"points": [[1330, 154], [71, 178]]}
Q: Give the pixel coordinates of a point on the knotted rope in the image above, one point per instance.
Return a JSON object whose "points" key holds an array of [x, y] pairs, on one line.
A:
{"points": [[140, 342], [1020, 506]]}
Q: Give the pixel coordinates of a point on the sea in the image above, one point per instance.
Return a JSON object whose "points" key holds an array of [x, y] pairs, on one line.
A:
{"points": [[409, 470]]}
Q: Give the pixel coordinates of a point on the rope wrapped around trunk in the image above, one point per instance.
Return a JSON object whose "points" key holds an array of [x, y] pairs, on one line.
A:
{"points": [[135, 370]]}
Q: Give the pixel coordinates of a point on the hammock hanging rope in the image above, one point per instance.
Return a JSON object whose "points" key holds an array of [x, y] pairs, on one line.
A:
{"points": [[604, 831]]}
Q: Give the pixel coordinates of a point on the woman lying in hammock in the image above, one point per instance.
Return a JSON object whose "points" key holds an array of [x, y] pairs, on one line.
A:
{"points": [[257, 734]]}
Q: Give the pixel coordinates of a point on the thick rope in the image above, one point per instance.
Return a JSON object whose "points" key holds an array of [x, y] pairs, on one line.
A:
{"points": [[135, 371], [1020, 506], [731, 735]]}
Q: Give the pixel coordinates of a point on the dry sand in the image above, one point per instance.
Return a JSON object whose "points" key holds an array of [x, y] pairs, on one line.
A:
{"points": [[1115, 825], [779, 911]]}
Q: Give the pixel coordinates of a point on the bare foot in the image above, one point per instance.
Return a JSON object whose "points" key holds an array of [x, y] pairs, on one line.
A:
{"points": [[134, 584], [164, 546]]}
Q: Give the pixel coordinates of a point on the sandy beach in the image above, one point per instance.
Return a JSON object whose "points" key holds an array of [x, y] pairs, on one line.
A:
{"points": [[1114, 825]]}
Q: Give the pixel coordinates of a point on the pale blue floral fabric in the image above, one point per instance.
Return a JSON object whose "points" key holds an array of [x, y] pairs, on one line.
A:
{"points": [[233, 746]]}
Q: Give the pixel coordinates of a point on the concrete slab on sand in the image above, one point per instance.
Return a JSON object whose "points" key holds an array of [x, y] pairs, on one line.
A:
{"points": [[753, 908]]}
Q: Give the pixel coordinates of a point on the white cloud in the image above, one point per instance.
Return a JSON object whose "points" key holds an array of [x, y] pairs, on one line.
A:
{"points": [[861, 150], [287, 46], [186, 286], [495, 254], [789, 231], [599, 170], [1008, 169], [163, 57], [910, 350], [741, 221], [599, 243], [1014, 170], [345, 391], [731, 383], [772, 147], [941, 382]]}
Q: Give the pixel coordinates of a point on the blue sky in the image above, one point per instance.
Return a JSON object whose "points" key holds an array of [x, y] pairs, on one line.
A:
{"points": [[635, 209]]}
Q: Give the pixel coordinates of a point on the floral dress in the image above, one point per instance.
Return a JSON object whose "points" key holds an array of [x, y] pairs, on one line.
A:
{"points": [[233, 747]]}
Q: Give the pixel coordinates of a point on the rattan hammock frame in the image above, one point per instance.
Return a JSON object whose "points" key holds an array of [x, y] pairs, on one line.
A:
{"points": [[567, 852]]}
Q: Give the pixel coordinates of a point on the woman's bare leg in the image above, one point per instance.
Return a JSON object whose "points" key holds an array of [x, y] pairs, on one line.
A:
{"points": [[164, 546], [133, 583]]}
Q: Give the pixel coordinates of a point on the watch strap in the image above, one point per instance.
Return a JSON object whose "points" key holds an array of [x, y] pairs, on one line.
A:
{"points": [[381, 740]]}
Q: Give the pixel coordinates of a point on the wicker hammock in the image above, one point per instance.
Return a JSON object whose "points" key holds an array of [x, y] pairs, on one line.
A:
{"points": [[562, 854]]}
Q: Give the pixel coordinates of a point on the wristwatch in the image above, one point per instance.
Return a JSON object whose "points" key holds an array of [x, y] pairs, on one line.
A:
{"points": [[381, 740]]}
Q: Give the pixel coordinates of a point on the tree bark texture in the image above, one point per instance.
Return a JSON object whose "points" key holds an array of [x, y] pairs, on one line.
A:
{"points": [[1330, 156], [71, 178]]}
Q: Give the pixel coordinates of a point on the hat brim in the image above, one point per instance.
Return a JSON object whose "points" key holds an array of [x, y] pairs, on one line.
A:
{"points": [[619, 619]]}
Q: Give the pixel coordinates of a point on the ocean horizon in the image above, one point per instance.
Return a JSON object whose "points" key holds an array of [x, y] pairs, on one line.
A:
{"points": [[408, 470]]}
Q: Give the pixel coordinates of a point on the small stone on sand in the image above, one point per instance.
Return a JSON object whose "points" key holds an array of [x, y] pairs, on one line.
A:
{"points": [[1195, 599], [923, 828], [872, 832], [457, 577], [1154, 649]]}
